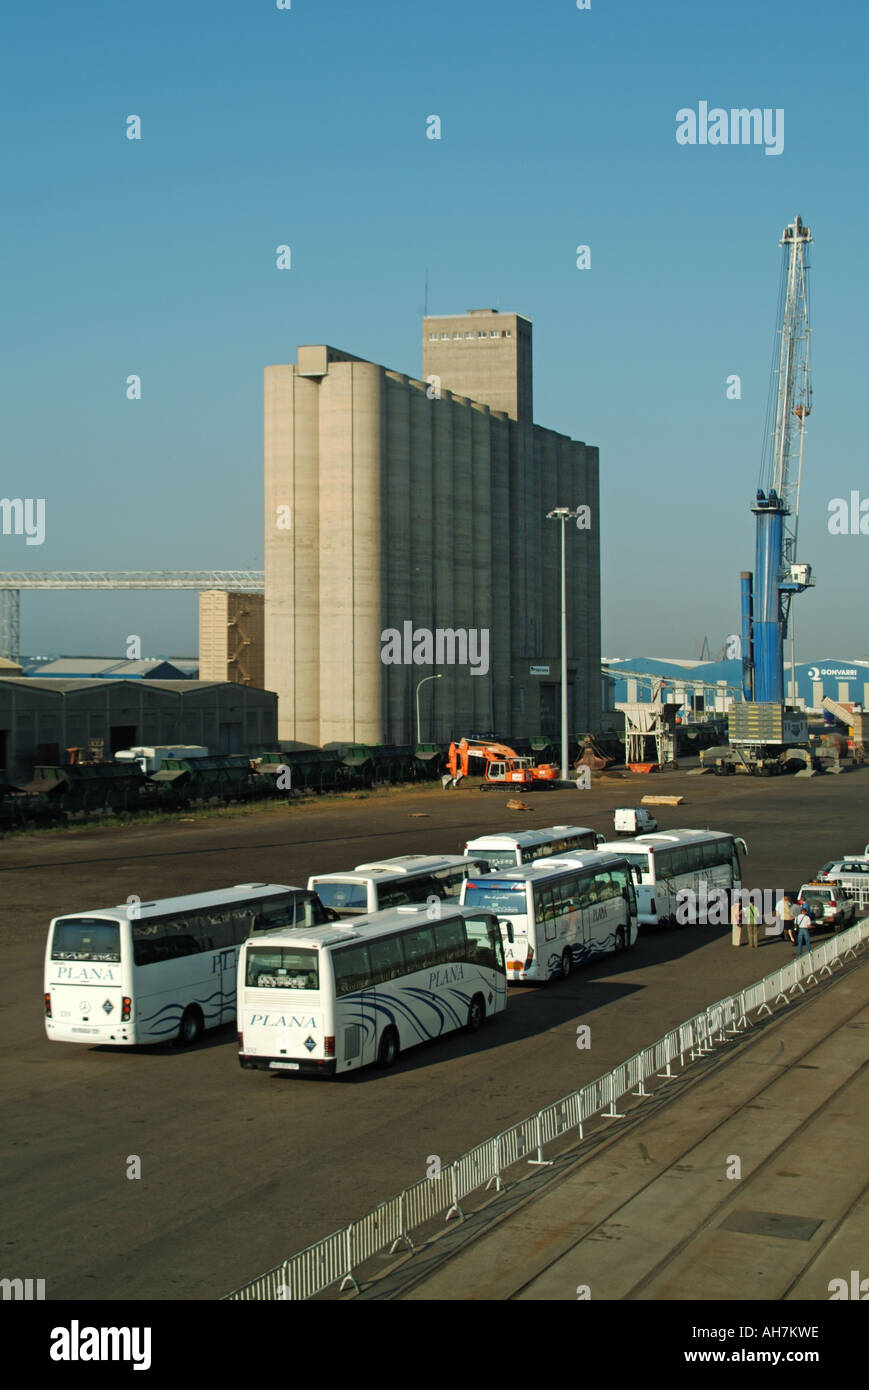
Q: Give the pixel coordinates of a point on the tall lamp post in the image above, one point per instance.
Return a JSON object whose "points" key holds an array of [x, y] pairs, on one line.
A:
{"points": [[422, 682], [563, 514]]}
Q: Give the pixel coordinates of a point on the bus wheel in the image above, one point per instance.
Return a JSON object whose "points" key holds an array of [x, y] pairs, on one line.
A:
{"points": [[388, 1049], [191, 1028], [476, 1014], [566, 964], [620, 939]]}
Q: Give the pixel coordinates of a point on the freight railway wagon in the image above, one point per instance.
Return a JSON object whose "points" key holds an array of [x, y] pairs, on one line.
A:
{"points": [[59, 793]]}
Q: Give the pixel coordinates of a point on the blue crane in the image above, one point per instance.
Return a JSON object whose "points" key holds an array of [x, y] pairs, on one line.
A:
{"points": [[767, 599]]}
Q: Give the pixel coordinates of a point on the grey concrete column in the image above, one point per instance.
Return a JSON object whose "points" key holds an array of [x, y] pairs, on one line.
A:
{"points": [[368, 599], [399, 590], [443, 553], [481, 560], [350, 532], [553, 493], [291, 595], [463, 577], [502, 577], [422, 543]]}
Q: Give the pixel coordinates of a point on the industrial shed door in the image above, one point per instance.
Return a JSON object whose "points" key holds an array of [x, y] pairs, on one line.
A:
{"points": [[230, 738]]}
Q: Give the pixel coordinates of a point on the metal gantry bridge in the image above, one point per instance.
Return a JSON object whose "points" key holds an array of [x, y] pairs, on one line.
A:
{"points": [[13, 581]]}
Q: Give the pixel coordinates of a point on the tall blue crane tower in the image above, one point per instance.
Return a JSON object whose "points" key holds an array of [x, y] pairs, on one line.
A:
{"points": [[777, 576]]}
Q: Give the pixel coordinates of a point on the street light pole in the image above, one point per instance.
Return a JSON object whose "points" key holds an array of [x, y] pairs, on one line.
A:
{"points": [[563, 514], [422, 682]]}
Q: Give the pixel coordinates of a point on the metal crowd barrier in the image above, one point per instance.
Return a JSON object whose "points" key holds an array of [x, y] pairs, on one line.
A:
{"points": [[337, 1256]]}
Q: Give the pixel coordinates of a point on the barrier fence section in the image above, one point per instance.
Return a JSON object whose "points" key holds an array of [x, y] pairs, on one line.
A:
{"points": [[337, 1256]]}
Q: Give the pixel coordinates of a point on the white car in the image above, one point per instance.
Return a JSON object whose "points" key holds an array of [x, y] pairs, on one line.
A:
{"points": [[854, 871], [827, 905]]}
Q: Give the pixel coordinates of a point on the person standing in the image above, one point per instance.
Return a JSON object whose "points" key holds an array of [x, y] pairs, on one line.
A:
{"points": [[751, 919], [785, 913], [736, 921], [803, 924]]}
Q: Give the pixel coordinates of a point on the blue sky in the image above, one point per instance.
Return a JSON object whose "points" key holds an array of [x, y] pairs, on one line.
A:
{"points": [[307, 127]]}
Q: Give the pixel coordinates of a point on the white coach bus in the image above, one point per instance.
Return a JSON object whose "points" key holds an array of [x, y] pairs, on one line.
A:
{"points": [[335, 998], [671, 861], [148, 972], [560, 914], [508, 850], [396, 882]]}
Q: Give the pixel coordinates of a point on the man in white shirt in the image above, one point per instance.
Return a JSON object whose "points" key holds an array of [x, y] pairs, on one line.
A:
{"points": [[803, 924]]}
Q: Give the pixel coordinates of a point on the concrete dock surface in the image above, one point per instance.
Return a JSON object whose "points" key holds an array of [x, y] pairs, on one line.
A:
{"points": [[750, 1184]]}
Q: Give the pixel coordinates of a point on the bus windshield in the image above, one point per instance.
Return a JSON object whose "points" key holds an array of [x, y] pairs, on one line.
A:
{"points": [[86, 938], [282, 967], [505, 899]]}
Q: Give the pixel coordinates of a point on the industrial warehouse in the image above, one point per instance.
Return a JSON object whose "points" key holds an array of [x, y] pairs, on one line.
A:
{"points": [[43, 722]]}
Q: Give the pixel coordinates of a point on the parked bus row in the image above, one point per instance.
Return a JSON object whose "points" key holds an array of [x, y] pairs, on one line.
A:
{"points": [[358, 966]]}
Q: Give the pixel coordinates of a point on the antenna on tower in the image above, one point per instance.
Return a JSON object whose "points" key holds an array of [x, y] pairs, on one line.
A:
{"points": [[425, 310]]}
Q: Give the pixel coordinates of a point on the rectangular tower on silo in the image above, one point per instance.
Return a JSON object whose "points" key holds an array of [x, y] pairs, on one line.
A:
{"points": [[484, 355]]}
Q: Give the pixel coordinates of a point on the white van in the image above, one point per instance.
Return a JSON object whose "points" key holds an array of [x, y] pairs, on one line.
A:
{"points": [[152, 759], [633, 820]]}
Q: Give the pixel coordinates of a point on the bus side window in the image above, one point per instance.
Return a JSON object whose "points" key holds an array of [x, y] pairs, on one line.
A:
{"points": [[450, 941], [186, 936], [480, 948], [497, 945], [387, 959], [419, 949], [448, 883], [352, 969], [394, 897]]}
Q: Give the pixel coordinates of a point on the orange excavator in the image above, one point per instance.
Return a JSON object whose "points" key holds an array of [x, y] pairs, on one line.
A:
{"points": [[497, 763]]}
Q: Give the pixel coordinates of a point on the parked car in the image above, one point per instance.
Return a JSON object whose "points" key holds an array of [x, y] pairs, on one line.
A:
{"points": [[853, 871], [827, 905]]}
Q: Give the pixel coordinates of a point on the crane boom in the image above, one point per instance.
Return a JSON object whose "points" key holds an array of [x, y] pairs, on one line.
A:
{"points": [[794, 389]]}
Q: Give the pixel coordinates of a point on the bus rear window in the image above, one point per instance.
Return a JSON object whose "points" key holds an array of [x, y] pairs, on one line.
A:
{"points": [[343, 898], [501, 899], [291, 910], [282, 967], [499, 858], [636, 861], [86, 938]]}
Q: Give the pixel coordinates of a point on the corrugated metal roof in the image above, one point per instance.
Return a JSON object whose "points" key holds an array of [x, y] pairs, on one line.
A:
{"points": [[84, 667]]}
